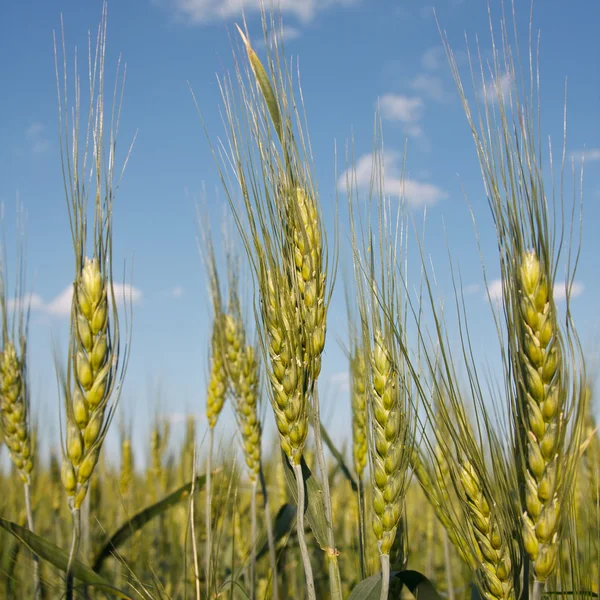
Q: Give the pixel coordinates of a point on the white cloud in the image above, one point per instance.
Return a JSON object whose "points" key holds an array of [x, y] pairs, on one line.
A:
{"points": [[340, 381], [202, 11], [497, 89], [287, 34], [560, 293], [432, 58], [36, 137], [33, 301], [177, 292], [281, 35], [430, 85], [471, 288], [587, 155], [495, 290], [397, 107], [60, 305], [416, 193]]}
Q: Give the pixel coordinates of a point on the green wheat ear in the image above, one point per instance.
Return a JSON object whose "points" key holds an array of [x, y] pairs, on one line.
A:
{"points": [[542, 357]]}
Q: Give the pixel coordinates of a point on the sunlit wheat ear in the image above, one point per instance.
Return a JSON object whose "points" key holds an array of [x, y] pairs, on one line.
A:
{"points": [[286, 373], [93, 373], [233, 345], [13, 411], [358, 390], [246, 410], [544, 405], [386, 451], [217, 383], [495, 566], [306, 249], [542, 355], [96, 364]]}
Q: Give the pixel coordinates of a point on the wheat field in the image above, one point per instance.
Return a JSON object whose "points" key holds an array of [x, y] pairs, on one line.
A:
{"points": [[450, 485]]}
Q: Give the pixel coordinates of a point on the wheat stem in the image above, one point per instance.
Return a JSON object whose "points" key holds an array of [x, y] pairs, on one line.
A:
{"points": [[335, 584], [361, 526], [36, 563], [207, 509], [270, 536], [76, 524], [385, 574], [308, 574], [253, 540], [447, 561]]}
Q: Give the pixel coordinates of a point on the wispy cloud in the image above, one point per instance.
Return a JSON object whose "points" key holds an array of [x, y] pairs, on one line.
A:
{"points": [[283, 35], [495, 290], [560, 292], [433, 57], [471, 288], [417, 193], [497, 89], [590, 154], [36, 138], [177, 292], [340, 381], [60, 305], [33, 301], [203, 11], [402, 109], [430, 85]]}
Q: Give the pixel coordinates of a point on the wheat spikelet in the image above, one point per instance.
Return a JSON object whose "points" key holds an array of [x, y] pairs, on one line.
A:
{"points": [[541, 356], [305, 247], [217, 383], [93, 368], [13, 411], [386, 451], [243, 370], [495, 566], [287, 377], [246, 412], [358, 390]]}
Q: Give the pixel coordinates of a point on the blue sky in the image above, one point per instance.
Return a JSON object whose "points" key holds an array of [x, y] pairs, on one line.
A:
{"points": [[353, 54]]}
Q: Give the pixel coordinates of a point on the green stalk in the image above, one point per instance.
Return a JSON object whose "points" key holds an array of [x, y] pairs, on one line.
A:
{"points": [[253, 541], [538, 588], [447, 560], [76, 520], [270, 537], [385, 576], [207, 509], [308, 574], [37, 582], [335, 583], [361, 527]]}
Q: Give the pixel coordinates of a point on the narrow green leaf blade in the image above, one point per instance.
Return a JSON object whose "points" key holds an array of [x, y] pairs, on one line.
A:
{"points": [[60, 559], [367, 589], [140, 519], [284, 523], [315, 510], [420, 587]]}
